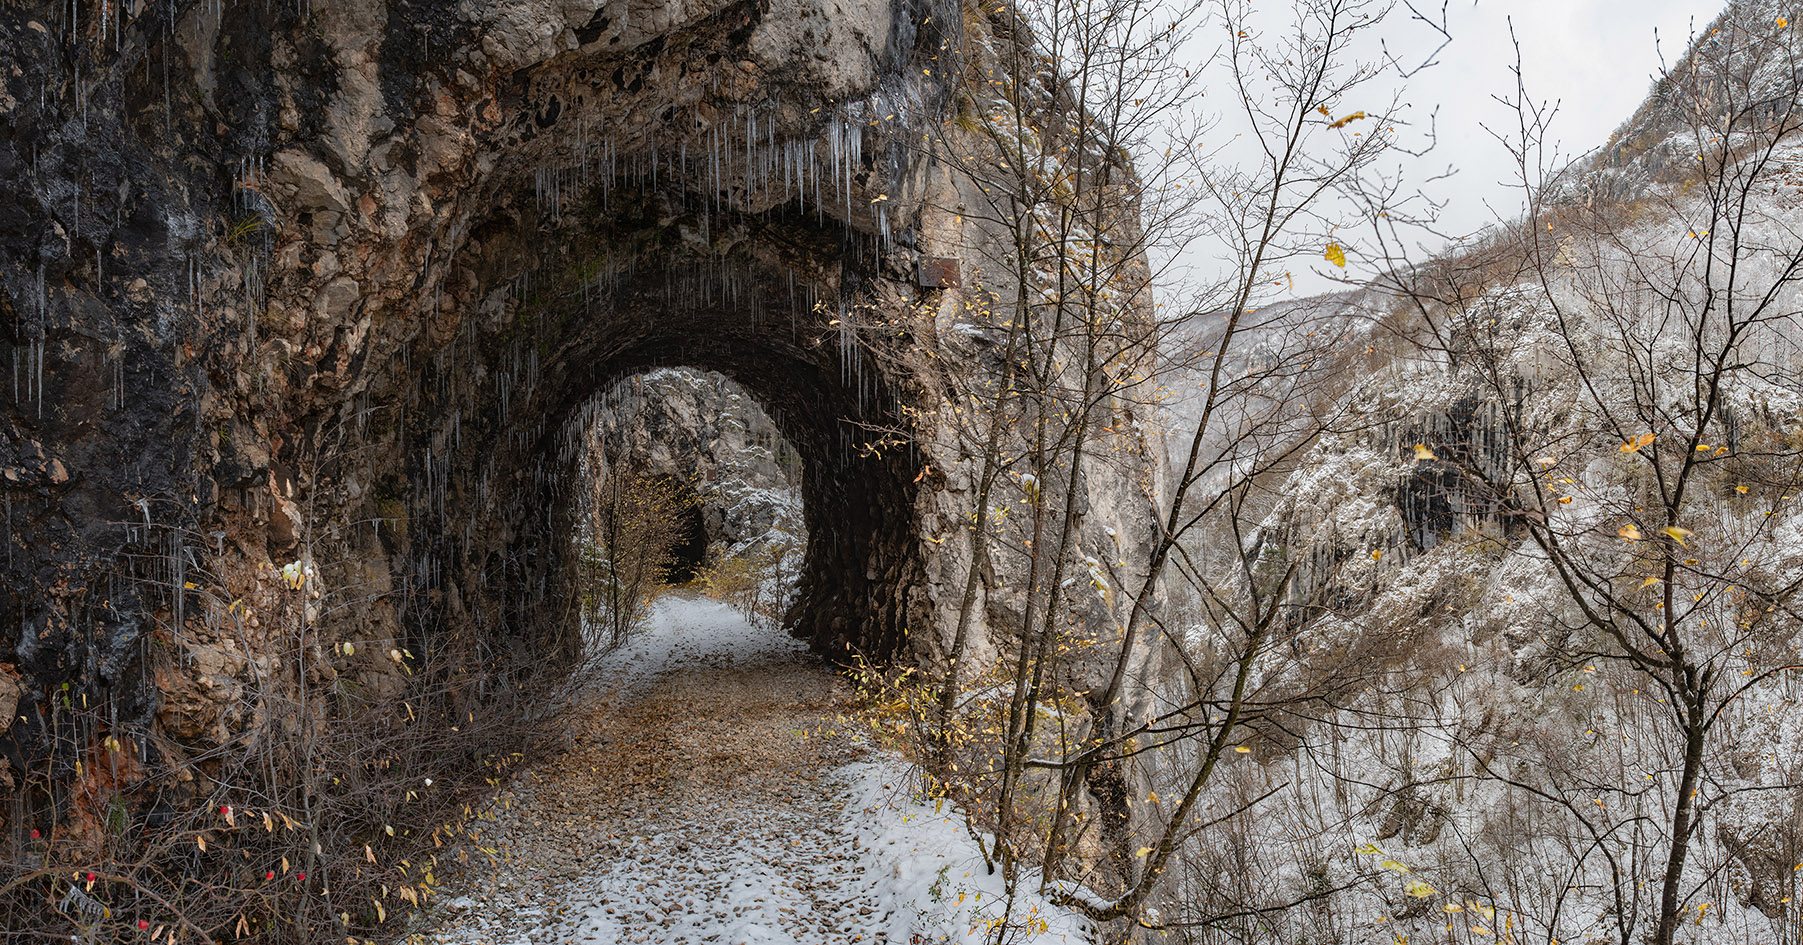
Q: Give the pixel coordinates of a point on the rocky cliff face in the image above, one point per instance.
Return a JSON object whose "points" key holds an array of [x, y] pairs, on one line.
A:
{"points": [[305, 307], [703, 429], [1483, 517]]}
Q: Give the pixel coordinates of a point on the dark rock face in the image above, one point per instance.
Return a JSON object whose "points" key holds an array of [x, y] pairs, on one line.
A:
{"points": [[327, 289]]}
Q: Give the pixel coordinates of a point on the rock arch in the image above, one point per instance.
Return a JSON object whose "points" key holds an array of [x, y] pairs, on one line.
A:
{"points": [[329, 294], [695, 194], [863, 558]]}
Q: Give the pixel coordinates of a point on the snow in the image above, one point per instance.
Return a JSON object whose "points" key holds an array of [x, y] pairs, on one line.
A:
{"points": [[689, 633], [913, 875], [931, 877]]}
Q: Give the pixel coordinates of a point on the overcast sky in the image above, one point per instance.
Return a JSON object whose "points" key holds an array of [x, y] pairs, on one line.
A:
{"points": [[1595, 58]]}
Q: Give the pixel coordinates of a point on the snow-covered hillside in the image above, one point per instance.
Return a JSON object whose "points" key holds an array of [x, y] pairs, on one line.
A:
{"points": [[1537, 677]]}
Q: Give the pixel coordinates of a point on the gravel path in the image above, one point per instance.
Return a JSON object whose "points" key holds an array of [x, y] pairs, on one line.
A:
{"points": [[701, 799], [711, 792]]}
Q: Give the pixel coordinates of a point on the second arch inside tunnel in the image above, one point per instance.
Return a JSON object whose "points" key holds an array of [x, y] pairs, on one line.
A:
{"points": [[751, 319], [715, 484]]}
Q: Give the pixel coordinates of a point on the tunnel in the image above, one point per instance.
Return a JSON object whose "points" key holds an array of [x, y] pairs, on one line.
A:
{"points": [[732, 226], [310, 312], [560, 305], [689, 550]]}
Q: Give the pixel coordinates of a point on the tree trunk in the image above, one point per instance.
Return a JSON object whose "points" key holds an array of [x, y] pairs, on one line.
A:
{"points": [[1669, 906]]}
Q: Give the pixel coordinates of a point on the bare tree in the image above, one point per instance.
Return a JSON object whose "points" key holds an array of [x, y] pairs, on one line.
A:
{"points": [[1632, 347], [631, 525], [1097, 165]]}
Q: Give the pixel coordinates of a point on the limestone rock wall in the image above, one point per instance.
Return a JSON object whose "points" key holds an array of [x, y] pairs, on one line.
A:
{"points": [[304, 307]]}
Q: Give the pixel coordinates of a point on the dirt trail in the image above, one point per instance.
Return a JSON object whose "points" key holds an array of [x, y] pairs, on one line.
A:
{"points": [[697, 800], [709, 793]]}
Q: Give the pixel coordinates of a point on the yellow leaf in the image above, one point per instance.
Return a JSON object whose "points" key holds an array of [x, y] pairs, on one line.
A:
{"points": [[1676, 534], [1453, 907], [1142, 852], [1649, 582], [1565, 500], [200, 842], [1629, 532], [1242, 749], [1336, 255], [1418, 889], [1393, 865], [1741, 489], [1423, 453], [1375, 555], [1355, 116], [1368, 849]]}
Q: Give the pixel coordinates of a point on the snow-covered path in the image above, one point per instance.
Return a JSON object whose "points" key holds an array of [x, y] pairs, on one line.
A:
{"points": [[711, 793]]}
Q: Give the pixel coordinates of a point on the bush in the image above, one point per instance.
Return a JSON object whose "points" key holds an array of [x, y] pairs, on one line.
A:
{"points": [[630, 539], [757, 582]]}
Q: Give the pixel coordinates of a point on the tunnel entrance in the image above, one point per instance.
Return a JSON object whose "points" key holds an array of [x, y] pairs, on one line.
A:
{"points": [[689, 552], [688, 463], [754, 232]]}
